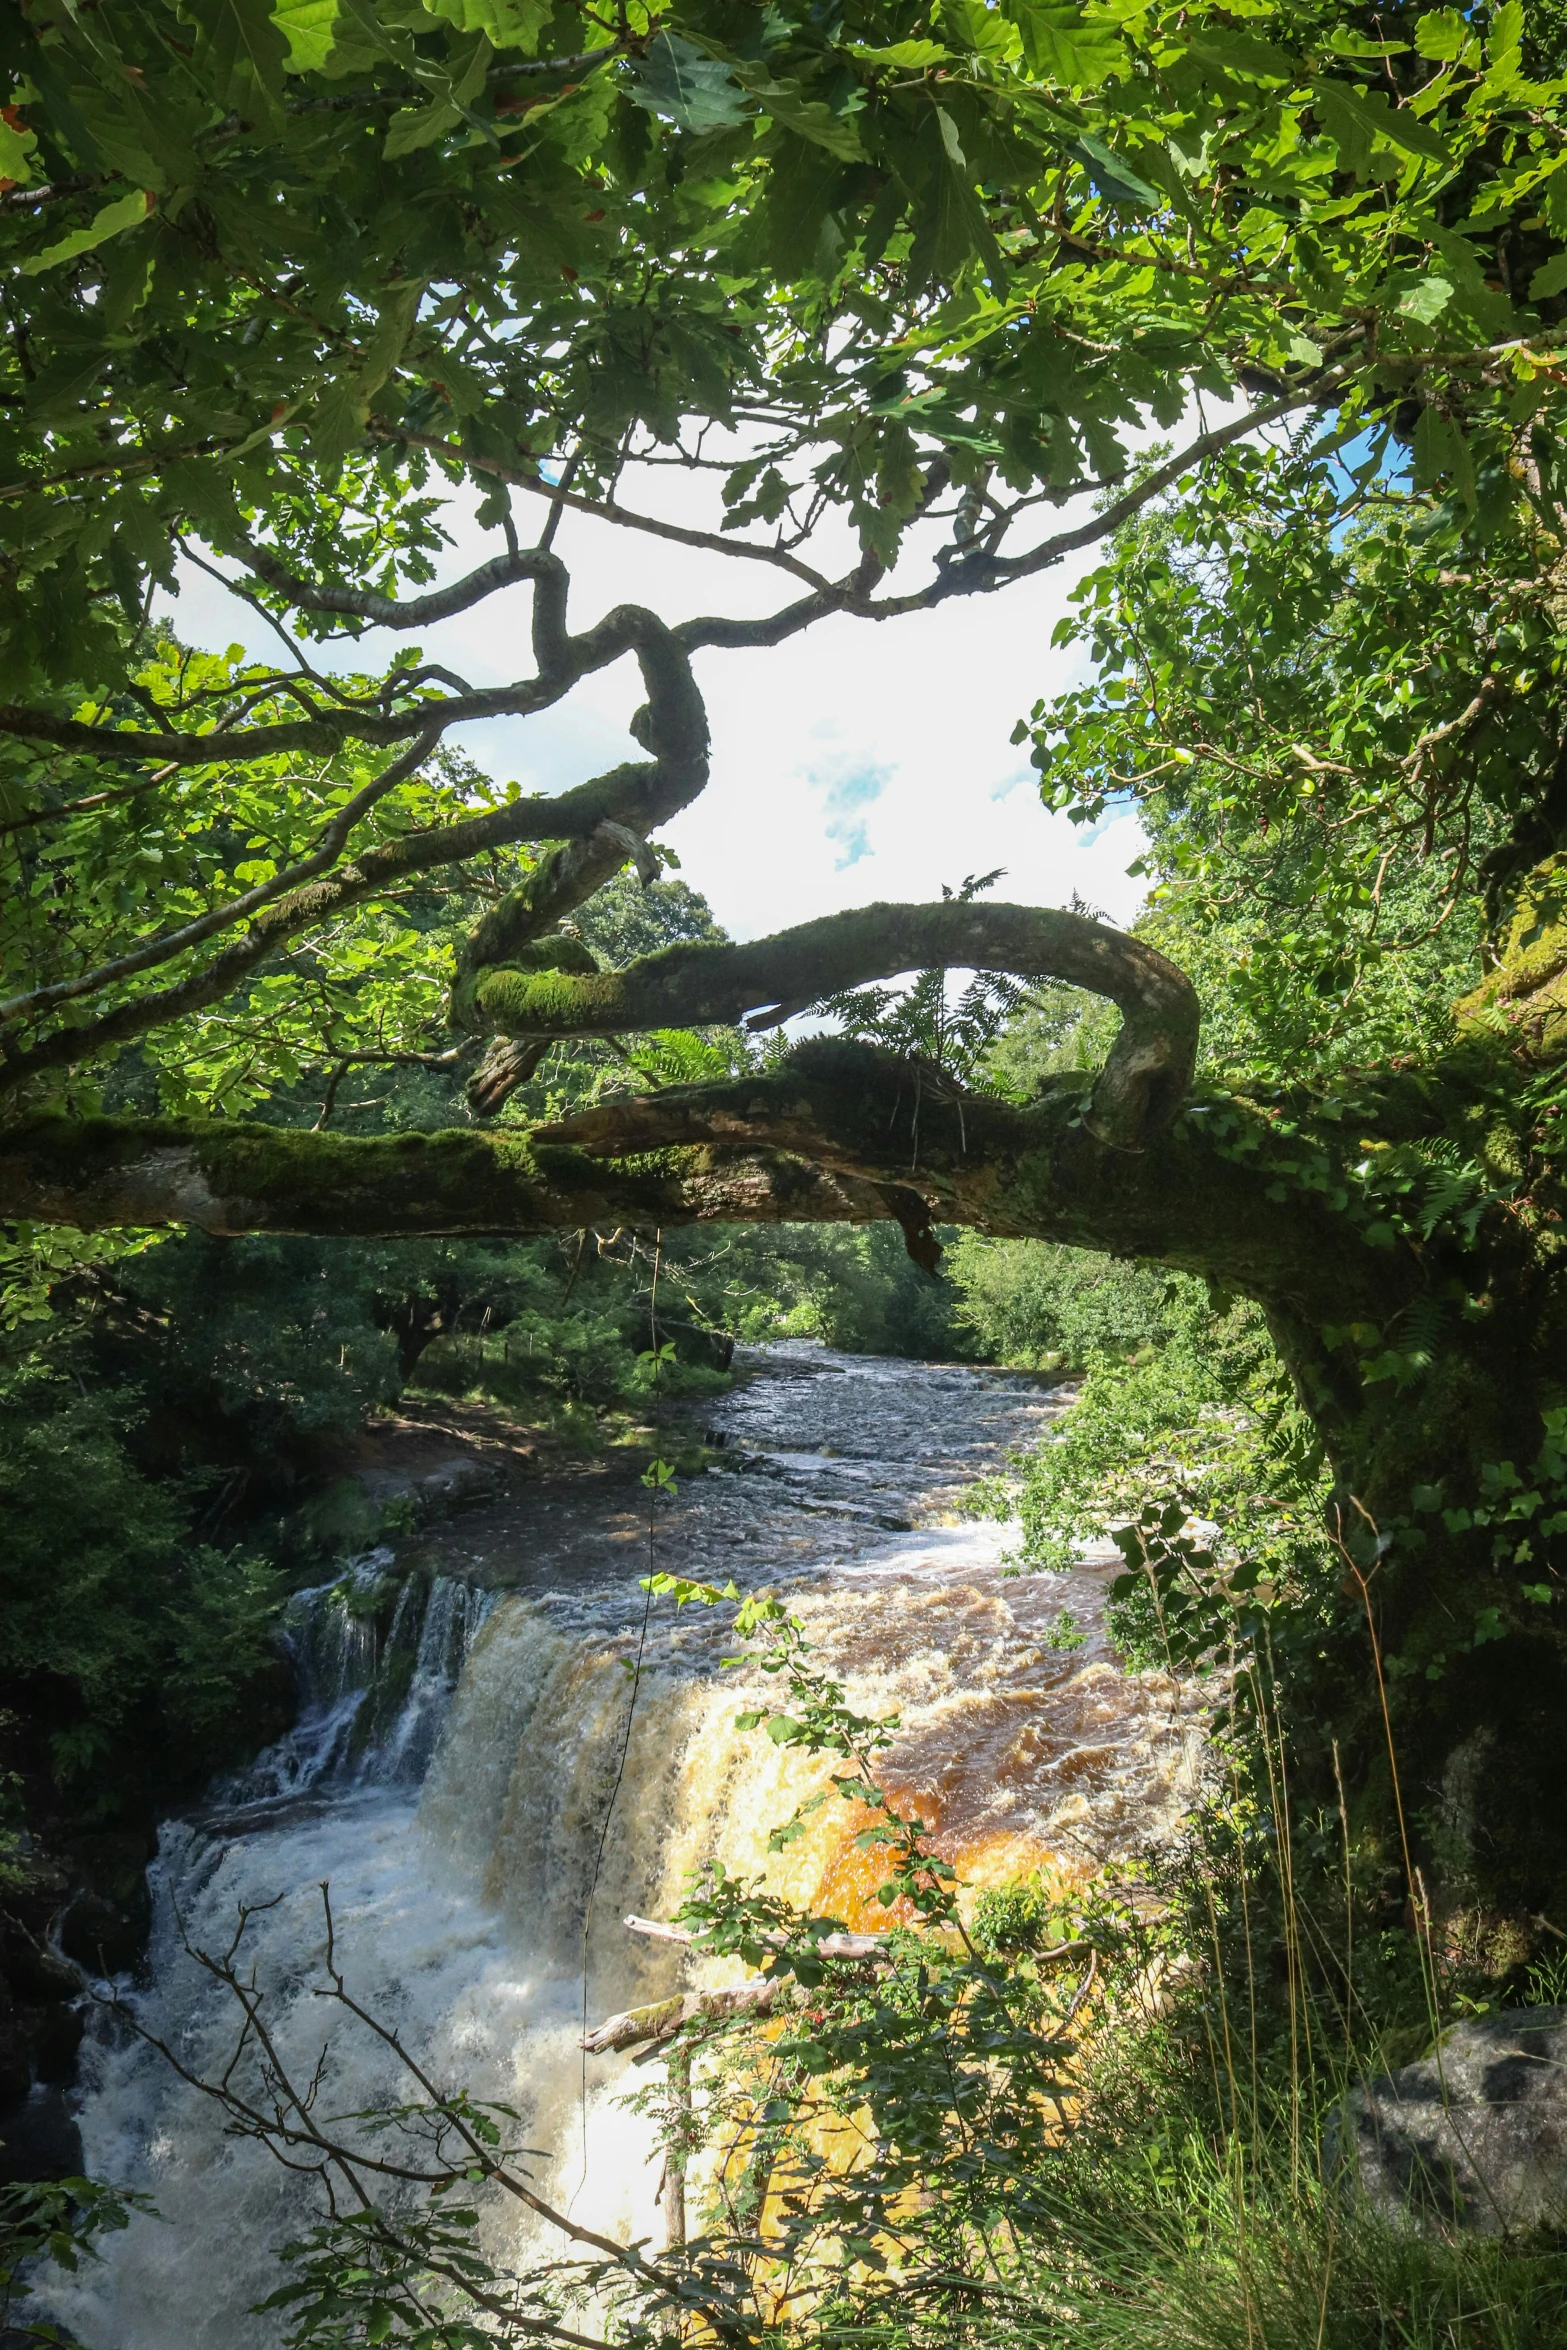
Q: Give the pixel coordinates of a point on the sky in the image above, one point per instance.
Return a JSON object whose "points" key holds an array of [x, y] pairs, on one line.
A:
{"points": [[861, 761]]}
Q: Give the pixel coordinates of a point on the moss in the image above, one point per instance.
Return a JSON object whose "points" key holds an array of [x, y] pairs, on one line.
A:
{"points": [[1525, 997], [518, 1002], [352, 1183]]}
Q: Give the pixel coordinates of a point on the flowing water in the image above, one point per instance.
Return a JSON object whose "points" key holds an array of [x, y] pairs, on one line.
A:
{"points": [[471, 1777]]}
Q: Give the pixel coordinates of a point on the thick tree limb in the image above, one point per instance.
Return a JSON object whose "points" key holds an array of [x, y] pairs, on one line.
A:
{"points": [[838, 1133], [228, 1176], [1213, 1194], [1138, 1092]]}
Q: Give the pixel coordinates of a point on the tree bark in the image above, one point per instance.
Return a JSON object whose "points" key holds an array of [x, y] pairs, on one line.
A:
{"points": [[1142, 1085], [231, 1176]]}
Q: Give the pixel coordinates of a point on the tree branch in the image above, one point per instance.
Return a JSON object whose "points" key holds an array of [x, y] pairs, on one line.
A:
{"points": [[228, 1176], [601, 822], [170, 943], [837, 1133], [563, 661], [1138, 1091], [979, 573], [520, 563], [636, 796], [982, 573], [1223, 1203], [606, 509]]}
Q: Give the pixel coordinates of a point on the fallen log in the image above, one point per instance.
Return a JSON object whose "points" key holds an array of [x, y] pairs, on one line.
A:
{"points": [[660, 2021], [860, 1946], [871, 1946]]}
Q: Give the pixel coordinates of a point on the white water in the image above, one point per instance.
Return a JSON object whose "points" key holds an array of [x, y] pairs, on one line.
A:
{"points": [[459, 1830]]}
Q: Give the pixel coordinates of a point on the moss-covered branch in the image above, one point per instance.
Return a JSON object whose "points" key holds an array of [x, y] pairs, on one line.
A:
{"points": [[1222, 1207], [1138, 1091], [839, 1132], [227, 1176]]}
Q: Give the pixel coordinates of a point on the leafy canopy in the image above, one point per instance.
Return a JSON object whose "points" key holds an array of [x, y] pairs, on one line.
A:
{"points": [[289, 272], [891, 268]]}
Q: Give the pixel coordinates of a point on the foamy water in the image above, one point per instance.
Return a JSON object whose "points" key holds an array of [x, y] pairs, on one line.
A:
{"points": [[461, 1841]]}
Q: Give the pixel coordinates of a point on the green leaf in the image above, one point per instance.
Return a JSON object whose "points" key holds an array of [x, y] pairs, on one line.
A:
{"points": [[1426, 300], [903, 56], [16, 147], [1061, 47], [126, 212], [241, 54], [336, 36], [694, 92], [390, 339], [1441, 34], [1360, 121], [1442, 452], [1549, 278], [792, 225], [507, 24], [1113, 176], [1343, 41], [338, 419], [1505, 45], [809, 118], [310, 29], [1244, 55]]}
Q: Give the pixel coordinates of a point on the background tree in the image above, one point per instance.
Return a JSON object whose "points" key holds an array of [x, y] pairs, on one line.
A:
{"points": [[892, 288]]}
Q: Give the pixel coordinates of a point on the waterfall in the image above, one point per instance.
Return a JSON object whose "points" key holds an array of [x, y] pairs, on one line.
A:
{"points": [[369, 1708], [450, 1775]]}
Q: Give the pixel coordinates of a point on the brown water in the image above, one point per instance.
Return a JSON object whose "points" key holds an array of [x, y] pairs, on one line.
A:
{"points": [[464, 1845]]}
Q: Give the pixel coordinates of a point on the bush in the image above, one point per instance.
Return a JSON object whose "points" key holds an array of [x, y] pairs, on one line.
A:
{"points": [[139, 1654], [1045, 1307]]}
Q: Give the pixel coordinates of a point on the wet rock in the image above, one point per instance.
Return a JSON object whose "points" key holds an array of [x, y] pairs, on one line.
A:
{"points": [[104, 1924], [39, 2139], [1474, 2135], [451, 1484], [40, 2022]]}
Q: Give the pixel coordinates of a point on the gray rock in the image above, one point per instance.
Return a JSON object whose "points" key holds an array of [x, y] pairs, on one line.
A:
{"points": [[1474, 2135]]}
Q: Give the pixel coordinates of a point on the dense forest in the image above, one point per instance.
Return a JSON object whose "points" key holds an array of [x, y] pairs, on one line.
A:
{"points": [[346, 1083]]}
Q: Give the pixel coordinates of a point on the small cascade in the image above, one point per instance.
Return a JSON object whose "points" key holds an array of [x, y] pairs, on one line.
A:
{"points": [[454, 1615], [470, 1774], [371, 1703]]}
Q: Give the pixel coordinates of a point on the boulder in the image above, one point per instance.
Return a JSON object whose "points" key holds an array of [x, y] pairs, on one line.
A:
{"points": [[1473, 2136]]}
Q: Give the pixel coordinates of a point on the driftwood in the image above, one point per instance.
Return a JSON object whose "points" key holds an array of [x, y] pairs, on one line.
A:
{"points": [[650, 2027], [863, 1946], [659, 2022]]}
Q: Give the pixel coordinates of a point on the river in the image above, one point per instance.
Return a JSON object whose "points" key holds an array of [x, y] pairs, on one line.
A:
{"points": [[452, 1774]]}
